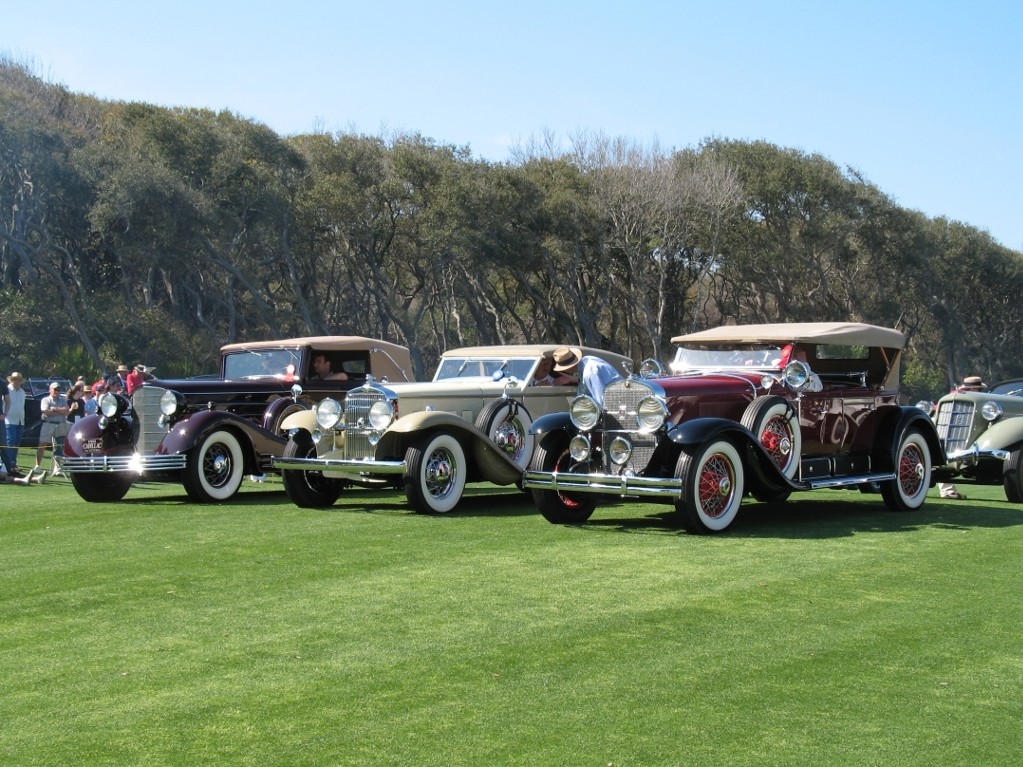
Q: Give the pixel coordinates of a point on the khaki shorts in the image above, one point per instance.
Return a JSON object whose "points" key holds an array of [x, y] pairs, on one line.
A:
{"points": [[50, 432]]}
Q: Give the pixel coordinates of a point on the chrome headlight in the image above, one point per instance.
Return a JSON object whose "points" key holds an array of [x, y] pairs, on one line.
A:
{"points": [[579, 448], [991, 411], [381, 413], [797, 375], [328, 413], [619, 450], [584, 412], [107, 404], [651, 414], [169, 402]]}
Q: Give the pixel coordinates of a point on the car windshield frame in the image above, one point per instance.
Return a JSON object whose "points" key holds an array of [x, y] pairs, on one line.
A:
{"points": [[248, 364], [486, 368], [740, 357]]}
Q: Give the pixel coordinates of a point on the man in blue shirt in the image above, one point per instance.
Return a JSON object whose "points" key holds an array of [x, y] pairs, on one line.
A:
{"points": [[591, 373]]}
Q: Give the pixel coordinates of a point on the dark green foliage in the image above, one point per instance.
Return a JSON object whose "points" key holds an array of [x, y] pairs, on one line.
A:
{"points": [[149, 234]]}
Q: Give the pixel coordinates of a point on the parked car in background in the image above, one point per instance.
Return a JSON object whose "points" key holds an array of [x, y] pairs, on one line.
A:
{"points": [[470, 423], [982, 434], [207, 434], [35, 390], [763, 410]]}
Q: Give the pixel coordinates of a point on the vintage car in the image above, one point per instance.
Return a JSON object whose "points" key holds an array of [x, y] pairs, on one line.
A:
{"points": [[982, 433], [208, 433], [765, 410], [470, 423]]}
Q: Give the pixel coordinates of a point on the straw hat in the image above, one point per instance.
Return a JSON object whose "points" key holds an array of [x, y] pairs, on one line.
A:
{"points": [[122, 368], [566, 357], [15, 376]]}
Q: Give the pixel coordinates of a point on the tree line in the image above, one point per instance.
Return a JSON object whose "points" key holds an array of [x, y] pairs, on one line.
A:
{"points": [[138, 233]]}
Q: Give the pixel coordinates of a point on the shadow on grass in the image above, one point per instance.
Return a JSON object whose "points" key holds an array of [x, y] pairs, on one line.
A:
{"points": [[811, 517]]}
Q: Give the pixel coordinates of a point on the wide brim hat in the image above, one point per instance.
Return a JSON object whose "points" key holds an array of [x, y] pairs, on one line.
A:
{"points": [[566, 357], [15, 377], [974, 382], [122, 368]]}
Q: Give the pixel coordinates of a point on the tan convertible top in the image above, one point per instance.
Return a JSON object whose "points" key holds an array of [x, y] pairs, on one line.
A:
{"points": [[386, 359], [842, 333]]}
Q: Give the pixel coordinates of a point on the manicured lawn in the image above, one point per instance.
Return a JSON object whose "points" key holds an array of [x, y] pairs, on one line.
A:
{"points": [[825, 631]]}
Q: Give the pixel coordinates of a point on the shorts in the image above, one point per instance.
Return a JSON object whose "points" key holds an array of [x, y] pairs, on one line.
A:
{"points": [[50, 432]]}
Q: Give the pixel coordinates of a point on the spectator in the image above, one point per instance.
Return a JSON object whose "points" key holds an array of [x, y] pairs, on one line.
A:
{"points": [[948, 489], [135, 379], [53, 412], [591, 373], [92, 397], [14, 408], [4, 404], [75, 403], [122, 375], [322, 366], [543, 375]]}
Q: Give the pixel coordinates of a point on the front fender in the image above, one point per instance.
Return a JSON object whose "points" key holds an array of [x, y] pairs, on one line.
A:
{"points": [[304, 420], [188, 433], [87, 438], [890, 433], [1002, 435], [551, 422], [699, 430]]}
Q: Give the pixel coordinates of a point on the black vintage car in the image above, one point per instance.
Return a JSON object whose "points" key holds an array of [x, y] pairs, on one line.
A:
{"points": [[208, 433]]}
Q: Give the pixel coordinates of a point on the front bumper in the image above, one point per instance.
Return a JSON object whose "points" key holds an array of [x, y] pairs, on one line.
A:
{"points": [[135, 463], [344, 465], [974, 453], [644, 487]]}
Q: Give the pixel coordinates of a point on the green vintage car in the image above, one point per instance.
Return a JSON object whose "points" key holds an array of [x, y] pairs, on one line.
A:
{"points": [[982, 433]]}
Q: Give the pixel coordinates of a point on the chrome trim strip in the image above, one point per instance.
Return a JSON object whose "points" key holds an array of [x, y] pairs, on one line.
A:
{"points": [[136, 463], [974, 452], [668, 487], [338, 464]]}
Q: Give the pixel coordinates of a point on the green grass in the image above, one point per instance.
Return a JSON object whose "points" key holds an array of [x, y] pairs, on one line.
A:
{"points": [[825, 631]]}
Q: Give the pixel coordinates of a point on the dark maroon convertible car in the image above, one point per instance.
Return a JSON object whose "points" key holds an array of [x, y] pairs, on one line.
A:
{"points": [[208, 433]]}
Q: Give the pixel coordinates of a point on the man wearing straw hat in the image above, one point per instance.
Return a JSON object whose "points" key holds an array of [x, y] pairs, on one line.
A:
{"points": [[14, 411]]}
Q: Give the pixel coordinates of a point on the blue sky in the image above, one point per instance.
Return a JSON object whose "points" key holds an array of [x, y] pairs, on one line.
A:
{"points": [[924, 98]]}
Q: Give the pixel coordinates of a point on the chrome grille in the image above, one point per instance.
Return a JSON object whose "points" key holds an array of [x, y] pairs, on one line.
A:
{"points": [[955, 424], [620, 402], [146, 402], [357, 405]]}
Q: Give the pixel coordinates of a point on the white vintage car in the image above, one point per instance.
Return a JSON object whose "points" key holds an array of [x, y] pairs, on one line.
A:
{"points": [[470, 423]]}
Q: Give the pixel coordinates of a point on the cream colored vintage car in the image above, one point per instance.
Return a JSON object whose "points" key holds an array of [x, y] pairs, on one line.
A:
{"points": [[470, 423]]}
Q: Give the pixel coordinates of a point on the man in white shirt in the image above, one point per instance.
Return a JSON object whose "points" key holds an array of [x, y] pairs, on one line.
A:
{"points": [[53, 426], [592, 373], [14, 409]]}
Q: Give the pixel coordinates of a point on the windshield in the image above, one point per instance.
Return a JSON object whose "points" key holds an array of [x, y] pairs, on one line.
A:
{"points": [[759, 356], [1012, 388], [262, 363], [493, 368]]}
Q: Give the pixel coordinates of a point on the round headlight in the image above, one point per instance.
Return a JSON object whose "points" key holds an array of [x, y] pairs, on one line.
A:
{"points": [[797, 375], [619, 450], [328, 413], [584, 412], [168, 403], [991, 411], [579, 448], [651, 414], [108, 404], [381, 413]]}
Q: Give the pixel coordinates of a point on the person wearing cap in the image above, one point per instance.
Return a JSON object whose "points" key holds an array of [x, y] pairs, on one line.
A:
{"points": [[92, 397], [135, 379], [591, 373], [948, 489], [53, 410]]}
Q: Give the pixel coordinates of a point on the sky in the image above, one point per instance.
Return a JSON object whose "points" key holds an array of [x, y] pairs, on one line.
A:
{"points": [[923, 98]]}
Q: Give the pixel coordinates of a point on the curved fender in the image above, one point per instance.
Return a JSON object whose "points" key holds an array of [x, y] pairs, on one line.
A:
{"points": [[278, 408], [86, 437], [890, 433], [306, 420], [188, 433], [700, 430], [545, 424], [1002, 435]]}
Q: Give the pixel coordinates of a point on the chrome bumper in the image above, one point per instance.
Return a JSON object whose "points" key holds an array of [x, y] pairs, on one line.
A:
{"points": [[346, 465], [974, 453], [646, 487], [136, 464]]}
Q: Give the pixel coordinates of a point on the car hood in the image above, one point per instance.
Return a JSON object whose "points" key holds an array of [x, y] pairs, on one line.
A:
{"points": [[708, 384]]}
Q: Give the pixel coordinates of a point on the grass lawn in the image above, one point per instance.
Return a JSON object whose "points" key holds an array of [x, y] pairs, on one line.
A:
{"points": [[823, 631]]}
